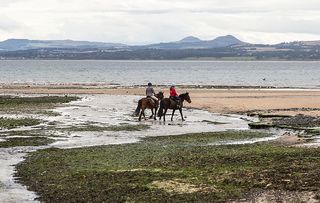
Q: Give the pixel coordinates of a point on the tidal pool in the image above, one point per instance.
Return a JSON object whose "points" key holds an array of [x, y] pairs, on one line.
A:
{"points": [[110, 110]]}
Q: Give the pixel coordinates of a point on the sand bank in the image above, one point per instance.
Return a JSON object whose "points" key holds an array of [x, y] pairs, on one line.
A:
{"points": [[280, 101]]}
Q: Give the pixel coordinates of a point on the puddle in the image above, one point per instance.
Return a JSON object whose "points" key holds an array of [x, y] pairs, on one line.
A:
{"points": [[10, 191], [242, 142], [115, 110]]}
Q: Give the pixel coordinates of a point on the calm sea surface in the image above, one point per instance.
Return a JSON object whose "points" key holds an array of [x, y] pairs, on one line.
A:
{"points": [[249, 73]]}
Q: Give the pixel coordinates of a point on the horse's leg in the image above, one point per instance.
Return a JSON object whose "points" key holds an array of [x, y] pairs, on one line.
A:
{"points": [[164, 115], [152, 113], [172, 114], [155, 113], [181, 114], [142, 112]]}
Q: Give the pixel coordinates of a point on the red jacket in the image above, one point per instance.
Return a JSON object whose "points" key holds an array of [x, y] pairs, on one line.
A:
{"points": [[173, 92]]}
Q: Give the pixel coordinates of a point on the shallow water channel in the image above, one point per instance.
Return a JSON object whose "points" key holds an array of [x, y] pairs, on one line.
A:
{"points": [[110, 110]]}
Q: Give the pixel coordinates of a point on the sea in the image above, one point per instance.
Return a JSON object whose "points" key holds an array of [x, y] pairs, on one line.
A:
{"points": [[299, 74]]}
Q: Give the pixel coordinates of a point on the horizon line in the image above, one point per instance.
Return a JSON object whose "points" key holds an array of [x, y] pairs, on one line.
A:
{"points": [[149, 43]]}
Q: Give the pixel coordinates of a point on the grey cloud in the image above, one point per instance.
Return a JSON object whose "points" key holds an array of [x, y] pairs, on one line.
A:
{"points": [[288, 26], [157, 20]]}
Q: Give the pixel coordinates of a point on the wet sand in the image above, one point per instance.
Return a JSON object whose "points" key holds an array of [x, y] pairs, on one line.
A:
{"points": [[242, 100]]}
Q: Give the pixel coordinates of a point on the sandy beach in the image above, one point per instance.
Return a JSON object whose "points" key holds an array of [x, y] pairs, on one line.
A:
{"points": [[224, 100]]}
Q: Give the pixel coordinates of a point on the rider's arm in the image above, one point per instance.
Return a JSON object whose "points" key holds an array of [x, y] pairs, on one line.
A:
{"points": [[174, 92]]}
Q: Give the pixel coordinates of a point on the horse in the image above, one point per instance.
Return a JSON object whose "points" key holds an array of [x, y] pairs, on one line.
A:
{"points": [[168, 103], [148, 103]]}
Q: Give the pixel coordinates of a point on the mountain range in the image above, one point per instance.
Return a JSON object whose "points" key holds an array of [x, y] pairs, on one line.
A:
{"points": [[185, 43], [25, 44], [221, 48]]}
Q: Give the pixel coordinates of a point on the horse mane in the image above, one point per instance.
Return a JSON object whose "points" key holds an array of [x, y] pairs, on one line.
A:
{"points": [[182, 95]]}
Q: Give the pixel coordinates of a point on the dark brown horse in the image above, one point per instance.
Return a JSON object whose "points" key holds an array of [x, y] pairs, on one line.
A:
{"points": [[168, 103], [148, 103]]}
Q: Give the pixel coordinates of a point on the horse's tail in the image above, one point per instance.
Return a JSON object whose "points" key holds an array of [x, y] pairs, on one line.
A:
{"points": [[160, 111], [137, 111]]}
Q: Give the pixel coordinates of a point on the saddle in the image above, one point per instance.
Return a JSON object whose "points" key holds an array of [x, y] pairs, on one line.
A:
{"points": [[175, 102], [152, 100]]}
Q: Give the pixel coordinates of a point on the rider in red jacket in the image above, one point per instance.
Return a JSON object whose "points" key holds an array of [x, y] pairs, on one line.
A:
{"points": [[174, 95], [173, 92]]}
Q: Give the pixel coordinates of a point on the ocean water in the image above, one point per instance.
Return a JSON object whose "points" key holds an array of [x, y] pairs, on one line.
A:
{"points": [[127, 73]]}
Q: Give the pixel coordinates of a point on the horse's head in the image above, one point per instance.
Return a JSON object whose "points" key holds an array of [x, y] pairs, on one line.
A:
{"points": [[160, 95], [186, 97]]}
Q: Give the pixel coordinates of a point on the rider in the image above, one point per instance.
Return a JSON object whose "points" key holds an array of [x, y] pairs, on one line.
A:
{"points": [[150, 92], [174, 95]]}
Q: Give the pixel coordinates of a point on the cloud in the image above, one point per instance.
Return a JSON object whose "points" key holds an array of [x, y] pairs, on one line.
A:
{"points": [[147, 21]]}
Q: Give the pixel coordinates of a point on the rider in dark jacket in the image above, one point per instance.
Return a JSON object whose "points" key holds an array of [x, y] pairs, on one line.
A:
{"points": [[150, 92]]}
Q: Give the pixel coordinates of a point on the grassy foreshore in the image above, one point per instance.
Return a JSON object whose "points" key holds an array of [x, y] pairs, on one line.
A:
{"points": [[9, 123], [25, 141], [33, 105], [183, 168]]}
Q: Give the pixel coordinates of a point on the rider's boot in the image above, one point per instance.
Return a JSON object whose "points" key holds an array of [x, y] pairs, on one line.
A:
{"points": [[178, 104]]}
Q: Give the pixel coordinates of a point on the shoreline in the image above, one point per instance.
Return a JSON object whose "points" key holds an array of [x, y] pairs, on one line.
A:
{"points": [[240, 100], [106, 85]]}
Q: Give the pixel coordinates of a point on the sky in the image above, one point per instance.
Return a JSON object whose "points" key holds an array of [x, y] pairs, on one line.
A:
{"points": [[151, 21]]}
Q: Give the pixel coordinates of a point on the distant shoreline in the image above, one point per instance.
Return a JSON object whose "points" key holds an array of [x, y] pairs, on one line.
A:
{"points": [[103, 85], [203, 59]]}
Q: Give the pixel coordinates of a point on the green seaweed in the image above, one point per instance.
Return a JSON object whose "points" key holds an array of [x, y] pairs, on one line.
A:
{"points": [[25, 141], [98, 128], [10, 123], [37, 105], [134, 172], [261, 125]]}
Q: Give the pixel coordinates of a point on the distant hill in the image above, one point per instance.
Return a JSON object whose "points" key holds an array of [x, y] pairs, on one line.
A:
{"points": [[190, 39], [25, 44], [196, 43], [185, 43], [221, 48], [225, 41]]}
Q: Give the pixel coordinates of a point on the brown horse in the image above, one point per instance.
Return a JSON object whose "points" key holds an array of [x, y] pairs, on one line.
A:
{"points": [[168, 103], [148, 103]]}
